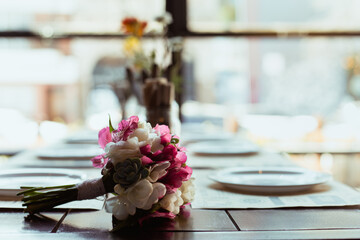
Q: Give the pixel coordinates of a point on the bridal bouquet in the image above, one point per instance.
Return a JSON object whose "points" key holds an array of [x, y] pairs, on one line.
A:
{"points": [[143, 167]]}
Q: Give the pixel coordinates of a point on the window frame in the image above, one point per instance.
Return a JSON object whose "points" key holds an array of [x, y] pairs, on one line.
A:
{"points": [[179, 28]]}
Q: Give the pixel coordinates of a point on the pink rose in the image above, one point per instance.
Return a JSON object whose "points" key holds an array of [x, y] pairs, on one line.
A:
{"points": [[179, 160], [164, 133], [162, 129], [167, 154], [146, 150], [165, 139], [174, 177]]}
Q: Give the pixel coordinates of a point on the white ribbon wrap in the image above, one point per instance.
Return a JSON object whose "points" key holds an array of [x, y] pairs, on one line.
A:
{"points": [[90, 189]]}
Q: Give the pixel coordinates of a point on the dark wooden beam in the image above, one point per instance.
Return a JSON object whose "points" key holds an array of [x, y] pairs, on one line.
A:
{"points": [[178, 11]]}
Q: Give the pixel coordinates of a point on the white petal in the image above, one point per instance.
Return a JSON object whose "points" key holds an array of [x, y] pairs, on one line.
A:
{"points": [[156, 144], [117, 208], [158, 171], [139, 193], [131, 209], [120, 211], [159, 191], [108, 146], [110, 203]]}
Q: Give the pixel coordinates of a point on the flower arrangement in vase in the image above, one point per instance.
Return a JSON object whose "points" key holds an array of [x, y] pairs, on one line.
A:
{"points": [[142, 66]]}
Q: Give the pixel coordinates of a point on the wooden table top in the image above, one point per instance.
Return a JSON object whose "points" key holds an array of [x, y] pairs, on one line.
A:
{"points": [[289, 223]]}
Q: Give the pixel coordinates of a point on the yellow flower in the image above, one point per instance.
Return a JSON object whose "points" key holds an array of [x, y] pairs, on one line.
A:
{"points": [[131, 46]]}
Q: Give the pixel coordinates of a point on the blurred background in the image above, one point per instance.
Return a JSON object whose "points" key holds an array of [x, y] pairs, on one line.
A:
{"points": [[285, 72]]}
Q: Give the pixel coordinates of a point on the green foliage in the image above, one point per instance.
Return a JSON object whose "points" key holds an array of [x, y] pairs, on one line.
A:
{"points": [[37, 199], [174, 141], [111, 128]]}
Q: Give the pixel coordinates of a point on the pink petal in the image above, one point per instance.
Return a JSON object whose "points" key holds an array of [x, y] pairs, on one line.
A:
{"points": [[170, 151], [174, 177], [125, 128], [181, 157], [188, 172], [99, 161], [179, 160], [165, 139], [145, 160], [182, 149], [162, 129], [146, 150], [104, 137]]}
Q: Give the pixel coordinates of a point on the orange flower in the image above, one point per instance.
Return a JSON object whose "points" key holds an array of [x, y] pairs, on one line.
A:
{"points": [[133, 26]]}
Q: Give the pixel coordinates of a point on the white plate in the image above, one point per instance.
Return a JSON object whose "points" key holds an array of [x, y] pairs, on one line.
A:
{"points": [[270, 180], [12, 179], [200, 137], [223, 148], [87, 137], [55, 163], [81, 140], [78, 151]]}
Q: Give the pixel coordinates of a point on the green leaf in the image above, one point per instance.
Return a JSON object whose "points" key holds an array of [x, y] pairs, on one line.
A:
{"points": [[33, 189], [111, 128], [174, 140]]}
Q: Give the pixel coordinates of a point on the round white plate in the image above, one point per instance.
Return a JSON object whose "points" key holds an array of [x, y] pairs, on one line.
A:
{"points": [[270, 180], [223, 148], [79, 140], [58, 163], [12, 179], [87, 137], [200, 137], [79, 151]]}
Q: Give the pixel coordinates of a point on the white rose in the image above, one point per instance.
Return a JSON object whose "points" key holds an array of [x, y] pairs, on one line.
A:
{"points": [[142, 132], [144, 194], [122, 150], [157, 171], [147, 135], [172, 202], [159, 191], [188, 190]]}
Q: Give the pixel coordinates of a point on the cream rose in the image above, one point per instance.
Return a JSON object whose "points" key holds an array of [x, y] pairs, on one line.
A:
{"points": [[147, 135], [142, 132], [172, 202], [188, 190], [141, 195], [122, 150], [144, 194]]}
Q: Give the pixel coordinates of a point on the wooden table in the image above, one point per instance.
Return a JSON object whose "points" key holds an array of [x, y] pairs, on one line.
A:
{"points": [[291, 223]]}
